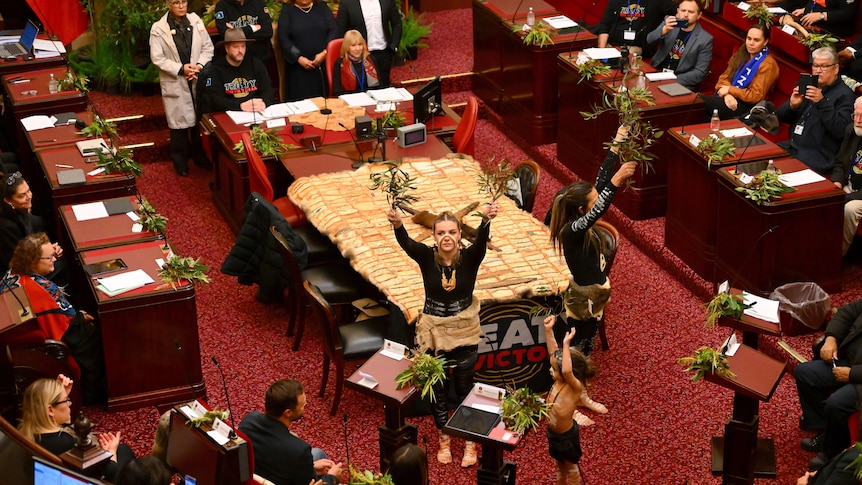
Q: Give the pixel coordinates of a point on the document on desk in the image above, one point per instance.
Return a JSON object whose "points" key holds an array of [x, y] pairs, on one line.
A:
{"points": [[393, 95], [560, 22], [661, 76], [357, 99], [602, 53], [280, 110], [49, 47], [802, 177], [763, 308], [92, 210], [38, 122], [303, 106], [736, 132], [121, 283], [245, 117], [92, 146]]}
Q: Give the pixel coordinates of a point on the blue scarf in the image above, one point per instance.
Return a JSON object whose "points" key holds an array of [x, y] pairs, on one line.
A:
{"points": [[746, 72]]}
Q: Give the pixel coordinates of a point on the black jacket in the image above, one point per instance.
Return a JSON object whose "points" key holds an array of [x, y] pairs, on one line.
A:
{"points": [[244, 16], [350, 18], [842, 172], [254, 257]]}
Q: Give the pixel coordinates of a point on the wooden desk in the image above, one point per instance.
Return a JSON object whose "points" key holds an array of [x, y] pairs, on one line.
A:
{"points": [[794, 238], [394, 433], [107, 232], [692, 196], [20, 105], [580, 143], [19, 65], [149, 335], [519, 81], [493, 470], [740, 455], [192, 452], [58, 136]]}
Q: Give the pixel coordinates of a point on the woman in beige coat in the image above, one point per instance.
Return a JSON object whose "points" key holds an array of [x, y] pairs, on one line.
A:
{"points": [[180, 46]]}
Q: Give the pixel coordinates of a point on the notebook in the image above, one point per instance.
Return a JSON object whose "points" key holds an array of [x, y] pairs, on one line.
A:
{"points": [[473, 420], [120, 205], [71, 177], [24, 44], [674, 89]]}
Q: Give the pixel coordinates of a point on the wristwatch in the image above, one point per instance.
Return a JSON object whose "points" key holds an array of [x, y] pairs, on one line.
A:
{"points": [[822, 16]]}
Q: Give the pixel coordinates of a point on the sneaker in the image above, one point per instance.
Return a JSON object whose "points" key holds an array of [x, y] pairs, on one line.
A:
{"points": [[817, 462], [812, 445]]}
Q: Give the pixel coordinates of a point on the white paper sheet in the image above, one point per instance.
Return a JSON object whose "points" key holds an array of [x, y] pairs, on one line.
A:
{"points": [[48, 46], [560, 22], [763, 308], [218, 437], [280, 110], [93, 210], [777, 10], [660, 76], [245, 117], [735, 132], [303, 106], [390, 94], [357, 99], [743, 6], [802, 177], [92, 144], [38, 122], [486, 407], [602, 53], [126, 281]]}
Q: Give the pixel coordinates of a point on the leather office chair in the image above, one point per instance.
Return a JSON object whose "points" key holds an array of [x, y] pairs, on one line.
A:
{"points": [[343, 341], [610, 240], [528, 173], [333, 52], [463, 139], [338, 282]]}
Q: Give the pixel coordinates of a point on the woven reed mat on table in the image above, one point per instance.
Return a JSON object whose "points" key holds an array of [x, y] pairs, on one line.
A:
{"points": [[341, 113], [342, 206]]}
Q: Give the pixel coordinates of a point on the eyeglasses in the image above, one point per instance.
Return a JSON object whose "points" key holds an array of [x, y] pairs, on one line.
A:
{"points": [[10, 180], [179, 3], [31, 92], [52, 257], [64, 401], [817, 67]]}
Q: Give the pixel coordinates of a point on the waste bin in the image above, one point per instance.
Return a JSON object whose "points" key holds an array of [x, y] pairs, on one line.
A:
{"points": [[802, 307]]}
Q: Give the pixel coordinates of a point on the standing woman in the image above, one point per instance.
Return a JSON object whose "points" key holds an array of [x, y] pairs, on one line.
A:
{"points": [[180, 46], [750, 75], [305, 27], [449, 323], [353, 72]]}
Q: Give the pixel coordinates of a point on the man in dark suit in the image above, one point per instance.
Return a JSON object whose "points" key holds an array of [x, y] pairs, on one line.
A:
{"points": [[847, 175], [380, 25], [279, 455], [828, 386], [687, 51]]}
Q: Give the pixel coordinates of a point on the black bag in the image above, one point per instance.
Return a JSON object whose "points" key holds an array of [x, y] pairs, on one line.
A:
{"points": [[85, 344]]}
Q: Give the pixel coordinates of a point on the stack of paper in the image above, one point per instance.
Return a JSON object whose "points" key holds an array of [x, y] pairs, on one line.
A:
{"points": [[393, 95], [560, 22], [762, 308], [123, 282], [38, 122], [602, 53], [802, 177], [92, 146], [357, 99]]}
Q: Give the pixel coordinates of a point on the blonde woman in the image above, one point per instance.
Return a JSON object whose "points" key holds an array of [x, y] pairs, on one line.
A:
{"points": [[354, 72]]}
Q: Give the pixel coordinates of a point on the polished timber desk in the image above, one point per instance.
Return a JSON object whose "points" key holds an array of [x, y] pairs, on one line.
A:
{"points": [[794, 238], [519, 81], [149, 335], [115, 230], [692, 196], [580, 143]]}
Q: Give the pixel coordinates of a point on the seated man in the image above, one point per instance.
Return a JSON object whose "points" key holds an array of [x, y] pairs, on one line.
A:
{"points": [[827, 386], [850, 59], [818, 116], [627, 23], [847, 175], [279, 455], [234, 82], [687, 51]]}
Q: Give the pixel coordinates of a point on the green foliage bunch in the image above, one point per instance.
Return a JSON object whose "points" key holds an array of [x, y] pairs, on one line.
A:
{"points": [[208, 418], [177, 269], [366, 477], [725, 304], [714, 149], [396, 183], [760, 12], [540, 35], [522, 409], [765, 187], [593, 67], [426, 372], [100, 127], [73, 82], [394, 119], [815, 41], [706, 359], [494, 181], [267, 142], [119, 161], [150, 218]]}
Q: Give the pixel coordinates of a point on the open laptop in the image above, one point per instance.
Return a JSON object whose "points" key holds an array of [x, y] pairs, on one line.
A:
{"points": [[24, 44]]}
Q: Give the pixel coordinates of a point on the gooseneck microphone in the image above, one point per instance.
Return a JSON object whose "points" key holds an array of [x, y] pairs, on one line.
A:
{"points": [[346, 447], [516, 10], [24, 310], [381, 142], [325, 110], [232, 434], [688, 113], [356, 144], [739, 159]]}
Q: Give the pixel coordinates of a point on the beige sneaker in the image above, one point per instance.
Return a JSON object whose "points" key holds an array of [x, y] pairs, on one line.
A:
{"points": [[469, 454], [444, 454]]}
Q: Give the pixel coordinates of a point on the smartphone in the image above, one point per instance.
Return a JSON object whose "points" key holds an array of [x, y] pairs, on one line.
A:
{"points": [[806, 80], [681, 23], [102, 267], [189, 480]]}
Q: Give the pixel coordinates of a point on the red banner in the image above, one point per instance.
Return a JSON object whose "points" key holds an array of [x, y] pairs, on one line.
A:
{"points": [[64, 18]]}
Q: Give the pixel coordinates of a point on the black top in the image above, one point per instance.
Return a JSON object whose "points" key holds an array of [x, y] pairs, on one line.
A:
{"points": [[243, 16], [438, 301], [14, 226], [61, 442], [848, 164], [641, 16], [585, 263], [223, 87]]}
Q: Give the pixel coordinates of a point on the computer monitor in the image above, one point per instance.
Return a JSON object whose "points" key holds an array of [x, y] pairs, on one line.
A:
{"points": [[428, 101], [29, 35], [46, 473]]}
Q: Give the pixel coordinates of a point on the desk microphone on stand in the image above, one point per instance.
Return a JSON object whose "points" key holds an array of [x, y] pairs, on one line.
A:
{"points": [[688, 113], [25, 311], [381, 142], [325, 110], [356, 144], [516, 10], [232, 434], [739, 159], [346, 447]]}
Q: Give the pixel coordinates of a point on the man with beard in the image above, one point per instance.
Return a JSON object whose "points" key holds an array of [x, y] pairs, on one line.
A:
{"points": [[279, 455], [847, 175], [234, 82]]}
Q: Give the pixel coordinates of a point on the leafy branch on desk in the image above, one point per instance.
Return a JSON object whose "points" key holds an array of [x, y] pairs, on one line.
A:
{"points": [[100, 127], [177, 270], [706, 359], [73, 82], [540, 35], [725, 304], [765, 187], [208, 418], [267, 142], [396, 184], [119, 161], [591, 68], [150, 218], [715, 149], [366, 477], [760, 12], [426, 372], [522, 409]]}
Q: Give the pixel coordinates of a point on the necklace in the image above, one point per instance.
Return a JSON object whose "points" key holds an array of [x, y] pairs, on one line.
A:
{"points": [[448, 284], [306, 10]]}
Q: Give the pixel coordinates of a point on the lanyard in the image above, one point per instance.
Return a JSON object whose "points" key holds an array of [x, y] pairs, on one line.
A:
{"points": [[360, 75], [631, 14]]}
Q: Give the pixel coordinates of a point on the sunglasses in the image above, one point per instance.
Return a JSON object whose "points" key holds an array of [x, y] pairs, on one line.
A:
{"points": [[10, 180], [31, 92]]}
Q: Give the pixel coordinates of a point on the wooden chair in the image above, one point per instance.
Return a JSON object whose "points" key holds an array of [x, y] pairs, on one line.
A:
{"points": [[610, 240], [343, 341], [333, 53], [17, 452], [338, 282], [528, 173], [463, 139]]}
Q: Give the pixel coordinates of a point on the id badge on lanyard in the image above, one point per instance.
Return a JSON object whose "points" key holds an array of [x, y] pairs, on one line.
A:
{"points": [[629, 34]]}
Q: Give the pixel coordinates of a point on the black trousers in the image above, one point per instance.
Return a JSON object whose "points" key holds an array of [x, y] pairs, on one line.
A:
{"points": [[186, 143], [711, 103], [463, 362], [383, 63]]}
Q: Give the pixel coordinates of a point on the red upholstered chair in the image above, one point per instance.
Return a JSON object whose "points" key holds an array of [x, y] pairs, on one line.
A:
{"points": [[463, 139], [333, 52], [343, 341], [611, 240]]}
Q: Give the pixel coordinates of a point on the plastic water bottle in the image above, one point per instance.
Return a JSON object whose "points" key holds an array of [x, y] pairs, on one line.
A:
{"points": [[715, 121], [641, 80], [531, 17], [53, 85], [624, 59], [770, 167]]}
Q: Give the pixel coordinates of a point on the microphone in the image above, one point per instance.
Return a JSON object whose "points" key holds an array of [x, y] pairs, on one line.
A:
{"points": [[518, 8], [581, 26], [688, 112], [232, 434], [24, 310], [356, 144], [751, 251], [381, 142], [739, 159], [346, 447], [325, 110]]}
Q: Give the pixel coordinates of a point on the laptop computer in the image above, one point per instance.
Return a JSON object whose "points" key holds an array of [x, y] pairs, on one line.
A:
{"points": [[24, 44]]}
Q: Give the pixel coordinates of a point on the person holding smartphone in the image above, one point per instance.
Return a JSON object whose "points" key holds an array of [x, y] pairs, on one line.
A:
{"points": [[682, 45], [818, 114]]}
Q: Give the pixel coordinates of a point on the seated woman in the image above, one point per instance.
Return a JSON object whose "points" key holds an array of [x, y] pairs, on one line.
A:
{"points": [[32, 261], [47, 412], [16, 216], [750, 75], [353, 72]]}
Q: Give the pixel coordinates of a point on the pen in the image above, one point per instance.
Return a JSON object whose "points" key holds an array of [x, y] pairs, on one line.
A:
{"points": [[60, 165], [19, 81], [16, 78], [834, 363], [52, 140]]}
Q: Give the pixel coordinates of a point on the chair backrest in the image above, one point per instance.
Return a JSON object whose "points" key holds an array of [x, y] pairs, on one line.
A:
{"points": [[333, 52], [610, 241], [291, 266], [323, 312], [463, 139], [258, 179], [16, 455], [528, 173]]}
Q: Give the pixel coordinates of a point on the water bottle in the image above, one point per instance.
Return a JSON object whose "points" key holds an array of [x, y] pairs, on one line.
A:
{"points": [[53, 85], [641, 80], [715, 121], [770, 167], [531, 17], [624, 59]]}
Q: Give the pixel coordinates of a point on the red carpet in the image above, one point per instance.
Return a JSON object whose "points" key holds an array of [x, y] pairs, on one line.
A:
{"points": [[659, 426]]}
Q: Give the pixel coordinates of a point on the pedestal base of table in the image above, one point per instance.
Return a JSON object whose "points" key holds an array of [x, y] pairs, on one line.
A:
{"points": [[392, 439], [764, 460], [504, 475]]}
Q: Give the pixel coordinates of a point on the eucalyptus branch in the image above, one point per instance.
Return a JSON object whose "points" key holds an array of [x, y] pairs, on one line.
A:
{"points": [[394, 119], [119, 161], [396, 183], [150, 218], [815, 41], [177, 269], [706, 359], [759, 11], [714, 149], [367, 477], [426, 372], [725, 305], [208, 418], [522, 409], [74, 81], [495, 180], [591, 68], [540, 34], [765, 187], [267, 142], [99, 127]]}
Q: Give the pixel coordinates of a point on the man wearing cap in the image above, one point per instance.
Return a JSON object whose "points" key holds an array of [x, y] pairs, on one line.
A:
{"points": [[234, 82]]}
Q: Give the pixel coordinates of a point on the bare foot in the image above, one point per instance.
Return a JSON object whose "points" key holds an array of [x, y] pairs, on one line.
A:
{"points": [[594, 406], [582, 419]]}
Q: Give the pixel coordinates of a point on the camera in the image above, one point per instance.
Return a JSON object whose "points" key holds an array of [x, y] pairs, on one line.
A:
{"points": [[681, 23], [806, 80]]}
